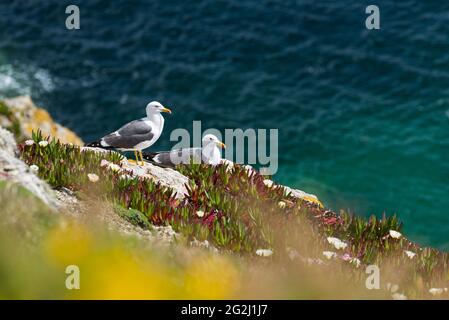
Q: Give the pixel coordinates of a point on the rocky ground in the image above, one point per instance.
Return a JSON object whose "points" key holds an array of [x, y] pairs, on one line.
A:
{"points": [[21, 116]]}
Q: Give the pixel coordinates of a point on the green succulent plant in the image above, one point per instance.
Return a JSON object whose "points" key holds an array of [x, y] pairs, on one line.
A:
{"points": [[233, 209]]}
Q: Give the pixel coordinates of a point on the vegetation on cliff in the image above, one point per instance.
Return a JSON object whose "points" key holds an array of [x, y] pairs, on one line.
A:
{"points": [[235, 210]]}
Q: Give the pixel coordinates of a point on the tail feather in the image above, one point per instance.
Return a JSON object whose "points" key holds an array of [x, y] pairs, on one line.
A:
{"points": [[149, 156], [97, 144]]}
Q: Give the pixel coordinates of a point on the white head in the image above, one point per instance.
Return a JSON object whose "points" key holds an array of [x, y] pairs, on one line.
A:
{"points": [[156, 107], [209, 139], [210, 152]]}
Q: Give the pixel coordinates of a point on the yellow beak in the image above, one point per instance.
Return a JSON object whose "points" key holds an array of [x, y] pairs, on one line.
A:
{"points": [[221, 145], [166, 110]]}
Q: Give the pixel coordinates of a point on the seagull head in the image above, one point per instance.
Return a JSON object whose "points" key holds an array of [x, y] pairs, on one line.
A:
{"points": [[210, 138], [154, 107]]}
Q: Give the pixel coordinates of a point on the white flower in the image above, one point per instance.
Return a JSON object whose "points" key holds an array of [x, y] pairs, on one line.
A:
{"points": [[43, 143], [249, 170], [29, 142], [329, 254], [93, 177], [104, 163], [200, 213], [392, 287], [114, 167], [34, 168], [264, 252], [356, 262], [337, 243], [281, 204], [268, 183], [126, 177], [410, 254], [399, 296], [395, 234], [312, 262], [436, 291]]}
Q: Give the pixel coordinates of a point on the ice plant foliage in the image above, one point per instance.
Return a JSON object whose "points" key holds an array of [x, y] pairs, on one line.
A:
{"points": [[236, 209], [63, 165], [356, 262]]}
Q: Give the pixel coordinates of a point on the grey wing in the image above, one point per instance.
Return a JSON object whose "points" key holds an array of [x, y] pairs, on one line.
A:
{"points": [[172, 158], [130, 135], [165, 158]]}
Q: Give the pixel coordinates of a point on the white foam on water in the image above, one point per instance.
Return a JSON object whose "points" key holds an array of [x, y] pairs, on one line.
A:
{"points": [[44, 79], [27, 80]]}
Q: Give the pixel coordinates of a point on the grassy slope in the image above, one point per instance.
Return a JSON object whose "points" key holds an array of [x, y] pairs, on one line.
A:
{"points": [[238, 213]]}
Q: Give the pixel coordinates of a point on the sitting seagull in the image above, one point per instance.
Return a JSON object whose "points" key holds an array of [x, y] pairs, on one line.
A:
{"points": [[209, 154], [138, 134]]}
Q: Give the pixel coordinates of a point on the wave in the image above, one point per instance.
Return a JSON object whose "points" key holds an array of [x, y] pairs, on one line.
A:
{"points": [[24, 80]]}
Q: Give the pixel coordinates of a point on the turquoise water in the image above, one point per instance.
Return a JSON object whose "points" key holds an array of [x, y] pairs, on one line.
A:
{"points": [[363, 116]]}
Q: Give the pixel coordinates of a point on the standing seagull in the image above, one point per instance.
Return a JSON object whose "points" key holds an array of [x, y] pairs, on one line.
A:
{"points": [[138, 134], [208, 154]]}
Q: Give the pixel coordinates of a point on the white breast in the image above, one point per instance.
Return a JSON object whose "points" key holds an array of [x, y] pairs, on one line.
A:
{"points": [[211, 154], [156, 121]]}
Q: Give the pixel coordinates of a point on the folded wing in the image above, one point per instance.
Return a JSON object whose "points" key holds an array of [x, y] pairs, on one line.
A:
{"points": [[174, 157], [130, 135]]}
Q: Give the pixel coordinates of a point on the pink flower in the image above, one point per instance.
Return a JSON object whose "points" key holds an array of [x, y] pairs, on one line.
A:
{"points": [[104, 163], [346, 257], [330, 221]]}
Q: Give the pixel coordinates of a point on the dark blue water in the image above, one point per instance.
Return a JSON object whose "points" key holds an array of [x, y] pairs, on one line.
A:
{"points": [[362, 115]]}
